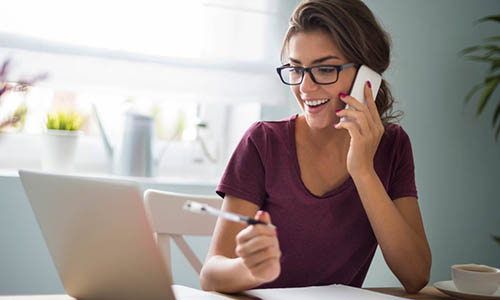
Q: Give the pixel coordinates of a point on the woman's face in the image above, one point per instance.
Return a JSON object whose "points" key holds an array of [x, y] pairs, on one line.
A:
{"points": [[311, 49]]}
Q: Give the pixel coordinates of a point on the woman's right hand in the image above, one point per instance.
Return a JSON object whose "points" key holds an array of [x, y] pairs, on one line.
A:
{"points": [[259, 249]]}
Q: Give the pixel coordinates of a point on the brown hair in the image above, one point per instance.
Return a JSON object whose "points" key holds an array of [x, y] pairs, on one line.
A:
{"points": [[358, 34]]}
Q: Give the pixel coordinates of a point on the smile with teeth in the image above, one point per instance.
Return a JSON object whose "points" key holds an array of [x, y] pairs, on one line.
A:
{"points": [[313, 103]]}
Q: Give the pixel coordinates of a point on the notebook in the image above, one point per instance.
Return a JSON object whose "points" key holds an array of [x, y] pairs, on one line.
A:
{"points": [[330, 292]]}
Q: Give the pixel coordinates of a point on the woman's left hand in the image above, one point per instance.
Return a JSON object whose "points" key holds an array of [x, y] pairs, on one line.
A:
{"points": [[365, 128]]}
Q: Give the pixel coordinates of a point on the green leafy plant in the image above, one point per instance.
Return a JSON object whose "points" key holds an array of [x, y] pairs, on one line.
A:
{"points": [[489, 53], [64, 120]]}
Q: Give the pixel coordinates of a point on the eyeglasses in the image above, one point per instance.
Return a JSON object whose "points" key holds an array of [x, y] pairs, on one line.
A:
{"points": [[321, 74]]}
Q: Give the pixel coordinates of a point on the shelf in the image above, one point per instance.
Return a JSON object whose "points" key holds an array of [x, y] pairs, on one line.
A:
{"points": [[176, 180]]}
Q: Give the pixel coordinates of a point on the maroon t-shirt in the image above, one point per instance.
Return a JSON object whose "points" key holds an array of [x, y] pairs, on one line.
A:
{"points": [[323, 240]]}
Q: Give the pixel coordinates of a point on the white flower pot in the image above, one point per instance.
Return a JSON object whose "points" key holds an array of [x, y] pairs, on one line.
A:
{"points": [[59, 149]]}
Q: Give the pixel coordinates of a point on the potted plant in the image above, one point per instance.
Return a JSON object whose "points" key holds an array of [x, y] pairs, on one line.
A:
{"points": [[488, 53], [60, 140], [14, 121]]}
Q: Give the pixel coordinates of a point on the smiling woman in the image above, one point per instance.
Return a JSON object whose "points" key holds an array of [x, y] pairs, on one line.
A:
{"points": [[372, 49], [335, 188]]}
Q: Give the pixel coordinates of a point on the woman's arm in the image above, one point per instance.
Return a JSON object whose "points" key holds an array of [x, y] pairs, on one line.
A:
{"points": [[399, 231], [240, 257], [397, 225]]}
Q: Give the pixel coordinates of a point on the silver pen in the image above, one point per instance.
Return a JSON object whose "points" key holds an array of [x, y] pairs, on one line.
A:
{"points": [[203, 208]]}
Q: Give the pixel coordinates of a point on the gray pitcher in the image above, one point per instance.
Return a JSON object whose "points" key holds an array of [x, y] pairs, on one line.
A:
{"points": [[134, 154]]}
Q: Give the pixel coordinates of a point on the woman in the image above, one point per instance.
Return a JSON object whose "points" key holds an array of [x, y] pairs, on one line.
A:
{"points": [[335, 189]]}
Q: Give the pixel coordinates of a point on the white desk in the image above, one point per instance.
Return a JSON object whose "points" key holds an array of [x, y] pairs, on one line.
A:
{"points": [[428, 293]]}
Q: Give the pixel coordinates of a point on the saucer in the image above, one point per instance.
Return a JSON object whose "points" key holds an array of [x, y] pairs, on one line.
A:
{"points": [[448, 287]]}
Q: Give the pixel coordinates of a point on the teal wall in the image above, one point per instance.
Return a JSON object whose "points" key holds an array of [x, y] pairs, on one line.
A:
{"points": [[457, 161]]}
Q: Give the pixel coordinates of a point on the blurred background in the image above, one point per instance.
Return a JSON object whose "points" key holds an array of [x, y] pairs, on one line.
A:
{"points": [[203, 70]]}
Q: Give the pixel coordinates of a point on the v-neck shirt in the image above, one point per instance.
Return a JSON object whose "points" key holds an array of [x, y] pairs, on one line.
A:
{"points": [[324, 239]]}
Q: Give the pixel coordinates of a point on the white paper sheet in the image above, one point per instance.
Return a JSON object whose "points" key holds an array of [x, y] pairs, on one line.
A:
{"points": [[330, 292], [186, 293]]}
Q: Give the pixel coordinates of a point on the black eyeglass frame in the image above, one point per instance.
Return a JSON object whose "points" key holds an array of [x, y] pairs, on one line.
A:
{"points": [[308, 70]]}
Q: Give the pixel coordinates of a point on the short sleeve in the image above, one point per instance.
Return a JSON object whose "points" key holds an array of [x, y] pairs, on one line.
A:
{"points": [[402, 182], [244, 176]]}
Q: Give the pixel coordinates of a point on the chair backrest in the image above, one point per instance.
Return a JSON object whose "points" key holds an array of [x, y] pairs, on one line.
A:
{"points": [[170, 221]]}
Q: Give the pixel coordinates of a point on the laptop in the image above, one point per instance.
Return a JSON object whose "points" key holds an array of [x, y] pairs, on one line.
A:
{"points": [[99, 238]]}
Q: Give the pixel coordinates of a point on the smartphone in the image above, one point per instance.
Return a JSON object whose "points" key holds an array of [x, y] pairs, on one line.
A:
{"points": [[363, 75]]}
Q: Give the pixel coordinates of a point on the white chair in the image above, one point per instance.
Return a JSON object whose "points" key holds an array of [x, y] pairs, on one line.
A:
{"points": [[170, 221]]}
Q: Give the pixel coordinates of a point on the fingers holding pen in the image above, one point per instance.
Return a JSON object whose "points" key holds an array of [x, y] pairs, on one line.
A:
{"points": [[264, 264], [255, 257], [253, 231], [255, 237], [258, 247], [255, 245]]}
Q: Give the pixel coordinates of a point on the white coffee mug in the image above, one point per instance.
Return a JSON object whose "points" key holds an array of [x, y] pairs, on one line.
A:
{"points": [[476, 279]]}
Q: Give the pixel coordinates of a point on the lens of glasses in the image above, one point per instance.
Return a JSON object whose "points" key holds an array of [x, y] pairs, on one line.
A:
{"points": [[292, 75], [321, 74], [324, 74]]}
